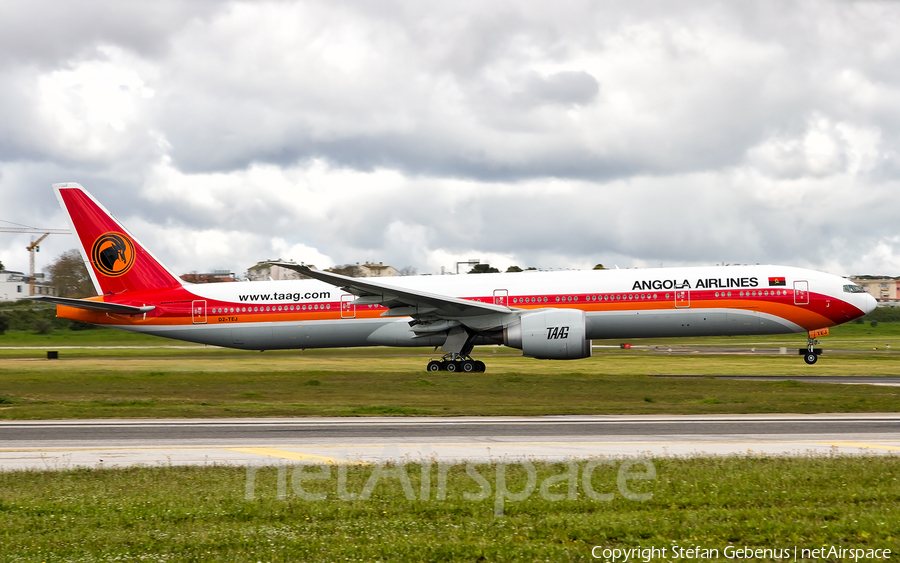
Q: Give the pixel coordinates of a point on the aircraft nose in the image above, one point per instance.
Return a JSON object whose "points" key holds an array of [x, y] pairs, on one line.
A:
{"points": [[870, 304]]}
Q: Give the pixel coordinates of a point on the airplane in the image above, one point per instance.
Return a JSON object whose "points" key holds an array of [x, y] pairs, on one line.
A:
{"points": [[546, 315]]}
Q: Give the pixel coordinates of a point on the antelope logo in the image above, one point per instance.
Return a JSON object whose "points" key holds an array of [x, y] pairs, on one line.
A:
{"points": [[112, 254]]}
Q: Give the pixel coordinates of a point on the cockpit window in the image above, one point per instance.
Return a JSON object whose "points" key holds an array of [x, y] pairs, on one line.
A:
{"points": [[853, 288]]}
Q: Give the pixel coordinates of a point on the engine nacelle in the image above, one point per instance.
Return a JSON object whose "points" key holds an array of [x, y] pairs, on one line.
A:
{"points": [[551, 334]]}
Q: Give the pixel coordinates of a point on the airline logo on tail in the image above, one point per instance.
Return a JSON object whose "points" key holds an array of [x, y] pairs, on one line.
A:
{"points": [[116, 261], [112, 254]]}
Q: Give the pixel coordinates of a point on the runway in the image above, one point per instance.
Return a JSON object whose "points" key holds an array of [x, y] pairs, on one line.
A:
{"points": [[881, 380], [120, 443]]}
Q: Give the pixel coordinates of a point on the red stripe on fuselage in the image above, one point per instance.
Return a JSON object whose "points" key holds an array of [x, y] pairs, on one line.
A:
{"points": [[174, 307]]}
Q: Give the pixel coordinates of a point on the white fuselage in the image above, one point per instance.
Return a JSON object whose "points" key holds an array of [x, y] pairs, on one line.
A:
{"points": [[633, 303]]}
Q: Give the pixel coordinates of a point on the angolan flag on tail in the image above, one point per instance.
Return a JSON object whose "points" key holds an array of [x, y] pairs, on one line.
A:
{"points": [[777, 281]]}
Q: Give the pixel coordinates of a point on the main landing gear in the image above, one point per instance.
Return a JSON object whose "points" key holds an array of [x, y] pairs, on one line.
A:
{"points": [[458, 346], [459, 363], [810, 353]]}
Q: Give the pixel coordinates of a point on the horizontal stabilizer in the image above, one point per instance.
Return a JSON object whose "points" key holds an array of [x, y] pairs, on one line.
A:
{"points": [[94, 305]]}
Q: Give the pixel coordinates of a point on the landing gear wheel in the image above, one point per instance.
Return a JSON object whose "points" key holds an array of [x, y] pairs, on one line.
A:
{"points": [[810, 358], [456, 362]]}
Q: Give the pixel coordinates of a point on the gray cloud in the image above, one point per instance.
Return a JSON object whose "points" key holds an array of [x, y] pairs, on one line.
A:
{"points": [[566, 88], [688, 95], [47, 34]]}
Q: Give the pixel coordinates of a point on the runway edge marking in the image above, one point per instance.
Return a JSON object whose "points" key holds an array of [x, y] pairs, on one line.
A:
{"points": [[865, 446], [296, 456]]}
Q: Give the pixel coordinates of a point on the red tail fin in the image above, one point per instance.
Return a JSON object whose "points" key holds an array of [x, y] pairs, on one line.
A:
{"points": [[116, 261]]}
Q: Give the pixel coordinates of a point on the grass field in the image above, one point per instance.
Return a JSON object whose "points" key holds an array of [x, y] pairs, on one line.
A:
{"points": [[196, 381], [331, 383], [201, 514]]}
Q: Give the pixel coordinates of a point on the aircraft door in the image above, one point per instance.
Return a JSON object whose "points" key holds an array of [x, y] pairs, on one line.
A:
{"points": [[198, 312], [501, 297], [348, 309], [801, 292], [682, 298]]}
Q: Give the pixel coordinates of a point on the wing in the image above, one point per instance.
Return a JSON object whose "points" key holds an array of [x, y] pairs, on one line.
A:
{"points": [[422, 306], [94, 305]]}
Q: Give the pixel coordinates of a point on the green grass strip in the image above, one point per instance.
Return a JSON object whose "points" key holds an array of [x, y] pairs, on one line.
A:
{"points": [[202, 514], [261, 385]]}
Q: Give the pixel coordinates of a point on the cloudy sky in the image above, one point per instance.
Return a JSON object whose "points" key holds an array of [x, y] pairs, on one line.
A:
{"points": [[554, 135]]}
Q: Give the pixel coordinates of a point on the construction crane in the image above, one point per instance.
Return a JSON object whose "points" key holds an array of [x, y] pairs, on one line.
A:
{"points": [[34, 246]]}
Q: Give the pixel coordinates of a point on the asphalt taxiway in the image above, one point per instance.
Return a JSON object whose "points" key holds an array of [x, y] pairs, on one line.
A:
{"points": [[117, 443], [881, 380]]}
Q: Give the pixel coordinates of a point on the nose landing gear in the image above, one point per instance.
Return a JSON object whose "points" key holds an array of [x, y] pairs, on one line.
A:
{"points": [[810, 353]]}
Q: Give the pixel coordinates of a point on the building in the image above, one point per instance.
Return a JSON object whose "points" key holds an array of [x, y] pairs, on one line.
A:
{"points": [[14, 285], [379, 270], [217, 276], [882, 288], [264, 271], [367, 270]]}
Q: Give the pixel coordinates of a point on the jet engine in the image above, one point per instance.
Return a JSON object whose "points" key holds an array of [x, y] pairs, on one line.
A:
{"points": [[550, 334]]}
